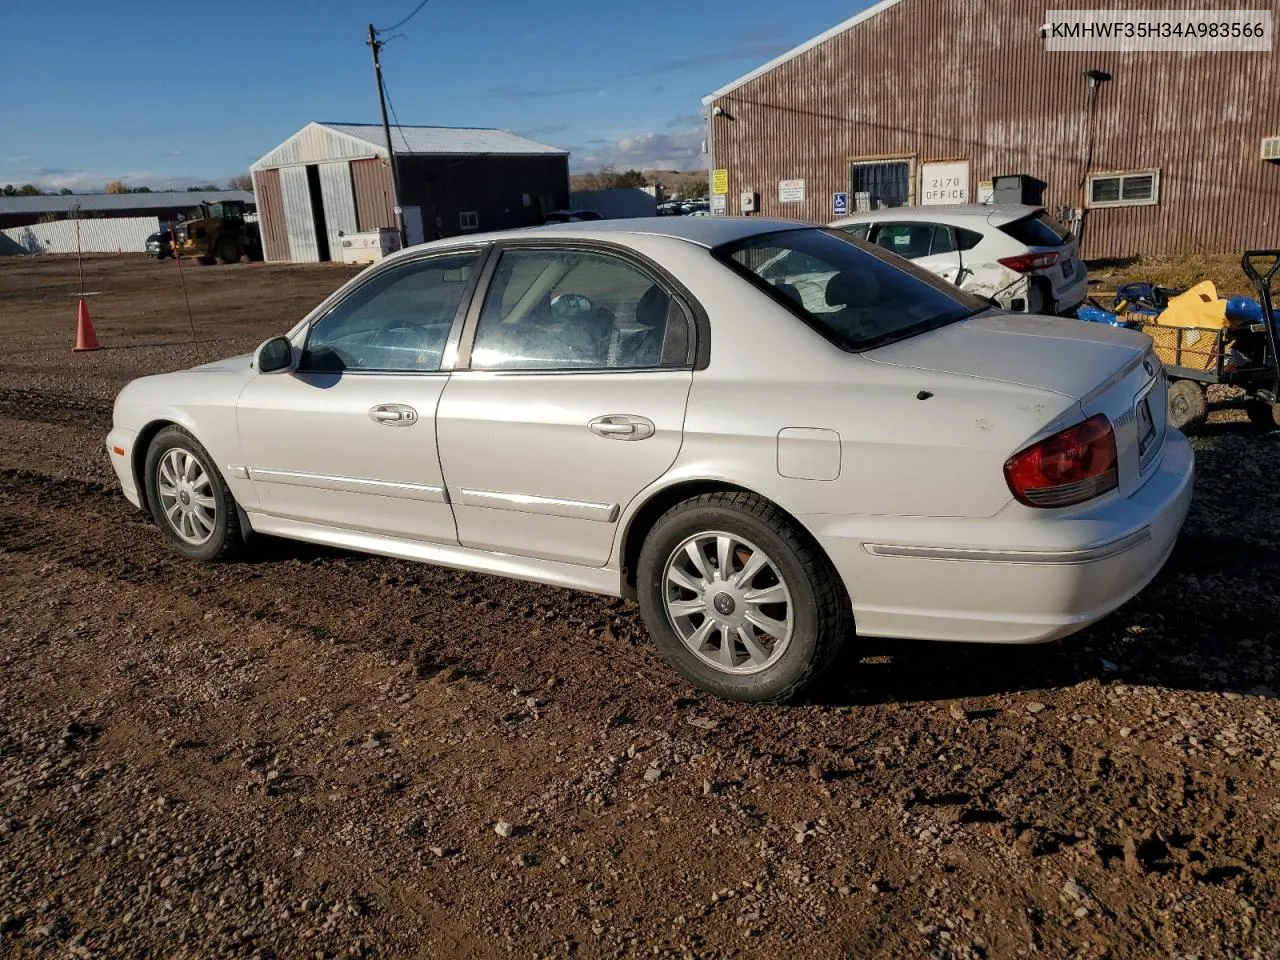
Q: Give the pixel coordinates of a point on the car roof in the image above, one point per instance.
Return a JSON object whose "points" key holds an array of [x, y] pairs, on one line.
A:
{"points": [[995, 213], [703, 231]]}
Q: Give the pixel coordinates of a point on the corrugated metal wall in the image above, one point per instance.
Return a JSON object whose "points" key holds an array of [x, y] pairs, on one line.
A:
{"points": [[315, 144], [493, 188], [371, 180], [299, 220], [99, 235], [951, 80], [271, 222], [339, 201]]}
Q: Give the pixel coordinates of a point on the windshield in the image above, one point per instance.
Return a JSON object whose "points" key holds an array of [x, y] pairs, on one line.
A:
{"points": [[856, 295]]}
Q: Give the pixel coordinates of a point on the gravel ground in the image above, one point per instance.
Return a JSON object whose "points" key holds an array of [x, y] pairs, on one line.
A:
{"points": [[321, 754]]}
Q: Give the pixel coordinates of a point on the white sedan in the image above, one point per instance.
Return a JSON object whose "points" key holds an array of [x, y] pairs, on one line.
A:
{"points": [[632, 408]]}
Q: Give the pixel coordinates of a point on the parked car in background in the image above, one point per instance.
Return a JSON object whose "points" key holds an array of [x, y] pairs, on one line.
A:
{"points": [[572, 216], [159, 245], [637, 408], [1018, 255]]}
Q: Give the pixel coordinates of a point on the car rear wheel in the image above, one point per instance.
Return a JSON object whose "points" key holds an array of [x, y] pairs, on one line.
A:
{"points": [[739, 600], [189, 498], [1188, 406]]}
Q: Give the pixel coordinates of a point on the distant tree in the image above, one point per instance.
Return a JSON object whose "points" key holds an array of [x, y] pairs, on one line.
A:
{"points": [[117, 186], [196, 188], [696, 190], [140, 190], [241, 181], [8, 190], [630, 178], [28, 190], [65, 192]]}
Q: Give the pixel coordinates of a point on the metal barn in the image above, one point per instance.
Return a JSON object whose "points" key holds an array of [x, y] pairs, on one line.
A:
{"points": [[330, 179], [930, 101]]}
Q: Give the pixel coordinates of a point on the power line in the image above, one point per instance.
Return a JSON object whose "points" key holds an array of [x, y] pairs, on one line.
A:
{"points": [[405, 20], [386, 92]]}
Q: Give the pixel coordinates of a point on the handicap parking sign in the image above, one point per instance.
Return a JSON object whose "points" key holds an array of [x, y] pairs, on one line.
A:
{"points": [[840, 204]]}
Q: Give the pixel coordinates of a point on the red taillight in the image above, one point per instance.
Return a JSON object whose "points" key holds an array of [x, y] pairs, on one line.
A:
{"points": [[1027, 262], [1070, 467]]}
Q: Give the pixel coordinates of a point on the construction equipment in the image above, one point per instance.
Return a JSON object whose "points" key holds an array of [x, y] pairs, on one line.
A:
{"points": [[218, 232]]}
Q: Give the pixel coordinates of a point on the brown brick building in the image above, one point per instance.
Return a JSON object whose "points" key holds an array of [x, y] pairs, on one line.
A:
{"points": [[916, 101]]}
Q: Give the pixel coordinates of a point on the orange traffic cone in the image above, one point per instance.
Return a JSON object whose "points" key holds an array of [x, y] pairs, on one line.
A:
{"points": [[86, 338]]}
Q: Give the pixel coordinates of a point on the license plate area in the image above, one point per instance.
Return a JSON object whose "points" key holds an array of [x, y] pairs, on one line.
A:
{"points": [[1146, 427], [1148, 433]]}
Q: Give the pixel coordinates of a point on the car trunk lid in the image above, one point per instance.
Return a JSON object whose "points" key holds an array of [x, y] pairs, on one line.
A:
{"points": [[1105, 369]]}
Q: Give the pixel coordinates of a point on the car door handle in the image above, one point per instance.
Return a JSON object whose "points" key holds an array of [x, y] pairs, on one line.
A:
{"points": [[619, 426], [393, 414]]}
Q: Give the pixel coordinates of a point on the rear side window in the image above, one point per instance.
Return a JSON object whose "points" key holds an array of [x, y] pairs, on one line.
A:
{"points": [[915, 240], [859, 230], [1037, 230], [967, 239]]}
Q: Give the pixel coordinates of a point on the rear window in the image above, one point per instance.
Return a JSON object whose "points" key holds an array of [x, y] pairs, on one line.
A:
{"points": [[1037, 230], [853, 293]]}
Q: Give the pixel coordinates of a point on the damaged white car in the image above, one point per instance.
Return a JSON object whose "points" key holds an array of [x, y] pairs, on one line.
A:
{"points": [[1017, 255]]}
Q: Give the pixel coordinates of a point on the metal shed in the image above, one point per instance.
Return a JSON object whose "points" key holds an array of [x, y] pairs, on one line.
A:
{"points": [[334, 178], [912, 102]]}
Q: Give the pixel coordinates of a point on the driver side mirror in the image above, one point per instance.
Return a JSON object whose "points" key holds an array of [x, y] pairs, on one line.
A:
{"points": [[274, 355]]}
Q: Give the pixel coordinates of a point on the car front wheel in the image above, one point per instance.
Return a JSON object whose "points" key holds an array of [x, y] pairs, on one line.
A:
{"points": [[189, 498], [739, 600]]}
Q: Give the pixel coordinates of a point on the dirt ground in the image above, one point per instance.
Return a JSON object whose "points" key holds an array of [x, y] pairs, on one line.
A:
{"points": [[310, 754]]}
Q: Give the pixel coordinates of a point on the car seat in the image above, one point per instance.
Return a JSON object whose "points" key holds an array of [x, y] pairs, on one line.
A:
{"points": [[644, 347]]}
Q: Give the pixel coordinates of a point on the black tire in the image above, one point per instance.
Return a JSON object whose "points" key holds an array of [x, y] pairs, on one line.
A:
{"points": [[1263, 415], [225, 541], [228, 251], [1188, 406], [820, 609]]}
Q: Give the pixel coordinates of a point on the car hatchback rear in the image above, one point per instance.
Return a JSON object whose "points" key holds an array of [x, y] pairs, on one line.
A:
{"points": [[1051, 254]]}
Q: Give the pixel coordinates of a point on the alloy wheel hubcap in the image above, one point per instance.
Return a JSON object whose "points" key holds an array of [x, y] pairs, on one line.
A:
{"points": [[186, 496], [728, 603]]}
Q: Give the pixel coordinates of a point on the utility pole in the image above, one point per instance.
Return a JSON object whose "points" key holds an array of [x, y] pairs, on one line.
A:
{"points": [[375, 45]]}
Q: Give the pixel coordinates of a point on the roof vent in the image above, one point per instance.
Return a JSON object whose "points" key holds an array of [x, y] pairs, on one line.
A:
{"points": [[1271, 148]]}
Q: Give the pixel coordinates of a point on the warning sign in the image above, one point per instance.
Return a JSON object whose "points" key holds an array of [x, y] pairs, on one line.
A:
{"points": [[791, 191], [720, 181]]}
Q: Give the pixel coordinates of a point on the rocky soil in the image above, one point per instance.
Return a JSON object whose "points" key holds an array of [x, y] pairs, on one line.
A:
{"points": [[321, 754]]}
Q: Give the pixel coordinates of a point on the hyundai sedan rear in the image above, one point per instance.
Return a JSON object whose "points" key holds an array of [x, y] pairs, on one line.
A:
{"points": [[774, 437]]}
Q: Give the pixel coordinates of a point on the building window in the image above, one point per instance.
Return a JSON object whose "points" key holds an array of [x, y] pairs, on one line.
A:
{"points": [[1138, 189], [469, 220], [878, 184]]}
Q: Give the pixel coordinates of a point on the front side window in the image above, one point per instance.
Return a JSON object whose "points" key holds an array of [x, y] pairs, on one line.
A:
{"points": [[575, 309], [398, 321], [851, 292]]}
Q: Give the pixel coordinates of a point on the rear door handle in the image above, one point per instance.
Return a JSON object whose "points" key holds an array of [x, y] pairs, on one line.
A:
{"points": [[394, 414], [622, 426]]}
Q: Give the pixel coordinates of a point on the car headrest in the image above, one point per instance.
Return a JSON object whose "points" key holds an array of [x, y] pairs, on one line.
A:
{"points": [[651, 310], [847, 289]]}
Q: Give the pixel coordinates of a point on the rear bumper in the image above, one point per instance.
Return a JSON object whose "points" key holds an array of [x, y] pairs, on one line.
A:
{"points": [[1012, 578], [1072, 293], [122, 462]]}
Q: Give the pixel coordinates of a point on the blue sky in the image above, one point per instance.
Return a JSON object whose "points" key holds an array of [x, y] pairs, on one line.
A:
{"points": [[175, 93]]}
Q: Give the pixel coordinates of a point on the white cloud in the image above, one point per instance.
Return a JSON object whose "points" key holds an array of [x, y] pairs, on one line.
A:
{"points": [[650, 149]]}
